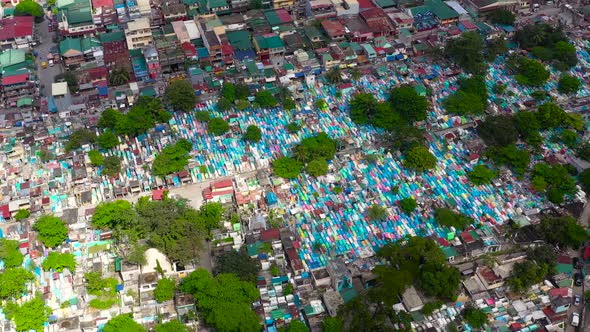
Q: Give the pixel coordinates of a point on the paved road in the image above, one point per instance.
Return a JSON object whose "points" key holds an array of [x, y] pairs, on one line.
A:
{"points": [[45, 43]]}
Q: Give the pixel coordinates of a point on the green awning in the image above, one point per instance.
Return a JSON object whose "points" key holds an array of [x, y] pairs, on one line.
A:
{"points": [[24, 102]]}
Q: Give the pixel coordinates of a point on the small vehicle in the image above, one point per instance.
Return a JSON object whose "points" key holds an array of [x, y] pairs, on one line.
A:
{"points": [[578, 279], [51, 63], [577, 300], [575, 319], [43, 64]]}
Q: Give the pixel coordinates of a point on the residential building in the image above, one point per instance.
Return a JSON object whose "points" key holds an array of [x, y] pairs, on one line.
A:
{"points": [[139, 66], [377, 22], [78, 51], [12, 59], [276, 4], [334, 29], [214, 6], [16, 32], [268, 46], [346, 7], [174, 10], [433, 12], [320, 9], [138, 33], [75, 17], [241, 42], [150, 53], [485, 6], [17, 84], [170, 54], [115, 50]]}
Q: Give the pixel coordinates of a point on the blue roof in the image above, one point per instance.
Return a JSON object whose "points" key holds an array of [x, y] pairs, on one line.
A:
{"points": [[202, 52]]}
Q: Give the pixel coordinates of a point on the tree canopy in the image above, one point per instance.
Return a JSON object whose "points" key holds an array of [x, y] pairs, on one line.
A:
{"points": [[498, 130], [29, 8], [173, 158], [511, 156], [265, 99], [315, 147], [22, 214], [475, 317], [115, 214], [59, 261], [526, 274], [13, 282], [553, 180], [96, 159], [123, 323], [28, 316], [80, 137], [408, 204], [449, 218], [502, 16], [51, 230], [467, 52], [297, 326], [406, 102], [253, 134], [218, 126], [140, 118], [562, 231], [568, 84], [223, 300], [10, 253], [481, 174], [171, 326], [470, 98], [287, 168], [228, 91], [419, 158], [164, 290], [377, 212], [238, 263], [531, 72], [181, 95], [332, 324], [317, 167]]}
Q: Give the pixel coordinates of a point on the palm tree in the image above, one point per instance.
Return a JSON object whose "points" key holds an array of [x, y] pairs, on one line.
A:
{"points": [[355, 74], [119, 76]]}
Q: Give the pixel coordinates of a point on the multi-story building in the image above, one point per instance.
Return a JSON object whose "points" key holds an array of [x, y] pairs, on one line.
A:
{"points": [[16, 32], [75, 18], [138, 33], [320, 9], [150, 53]]}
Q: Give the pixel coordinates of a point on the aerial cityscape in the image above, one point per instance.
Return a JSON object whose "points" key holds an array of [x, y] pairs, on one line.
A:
{"points": [[294, 165]]}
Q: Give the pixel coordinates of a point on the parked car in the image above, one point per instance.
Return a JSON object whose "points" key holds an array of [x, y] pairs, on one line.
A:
{"points": [[575, 319], [577, 263], [578, 279], [577, 300], [51, 63]]}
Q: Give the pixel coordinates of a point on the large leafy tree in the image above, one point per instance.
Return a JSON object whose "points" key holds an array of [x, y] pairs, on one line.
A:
{"points": [[111, 166], [238, 263], [80, 137], [475, 317], [481, 174], [51, 230], [440, 281], [526, 274], [498, 130], [165, 290], [115, 214], [511, 156], [265, 99], [59, 261], [408, 104], [218, 126], [29, 8], [172, 158], [408, 204], [253, 134], [210, 216], [467, 52], [123, 323], [181, 95], [10, 253], [332, 324], [449, 218], [107, 140], [564, 54], [376, 212], [171, 326], [531, 72], [502, 16], [29, 315], [287, 168], [317, 167], [297, 326], [228, 91], [470, 98], [562, 231], [420, 159], [314, 147], [362, 107], [554, 180], [13, 282], [568, 84], [224, 300]]}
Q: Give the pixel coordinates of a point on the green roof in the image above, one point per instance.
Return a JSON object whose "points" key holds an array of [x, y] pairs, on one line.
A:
{"points": [[288, 66], [385, 3], [269, 72], [252, 68], [355, 46], [348, 294], [441, 9], [405, 32], [24, 102], [564, 268], [272, 17], [70, 44], [216, 4], [8, 11], [11, 57], [449, 252], [239, 40], [420, 89], [114, 36], [189, 2], [274, 42], [313, 32], [89, 43], [148, 91], [79, 16]]}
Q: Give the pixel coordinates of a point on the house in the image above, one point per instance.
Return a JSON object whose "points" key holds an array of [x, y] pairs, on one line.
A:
{"points": [[150, 53], [278, 17], [173, 10], [432, 14], [61, 95], [116, 54], [241, 42], [138, 33], [561, 299], [268, 46], [334, 29], [314, 34], [170, 54], [214, 6], [346, 7], [16, 32], [320, 9], [17, 84], [359, 30], [401, 20], [77, 51], [377, 22], [12, 59], [139, 65], [485, 6], [75, 18], [186, 31]]}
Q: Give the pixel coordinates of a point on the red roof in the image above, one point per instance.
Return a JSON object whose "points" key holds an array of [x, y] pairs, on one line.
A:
{"points": [[98, 73], [16, 27], [283, 15], [102, 3], [587, 252], [365, 4], [563, 292], [269, 234], [15, 79], [469, 25], [222, 184], [189, 49], [467, 237], [5, 211], [333, 28], [227, 49], [223, 192], [562, 259], [157, 194]]}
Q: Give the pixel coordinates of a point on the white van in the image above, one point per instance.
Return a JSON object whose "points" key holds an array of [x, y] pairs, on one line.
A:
{"points": [[575, 319]]}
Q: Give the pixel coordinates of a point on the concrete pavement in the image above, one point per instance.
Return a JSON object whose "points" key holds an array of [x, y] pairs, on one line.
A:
{"points": [[46, 76]]}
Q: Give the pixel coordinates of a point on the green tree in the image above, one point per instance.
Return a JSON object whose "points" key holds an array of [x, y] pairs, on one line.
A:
{"points": [[565, 56], [30, 315], [293, 127], [498, 130], [297, 326], [96, 159], [51, 230], [287, 168], [320, 103], [462, 103], [431, 307], [526, 123], [46, 155], [242, 91], [532, 73], [499, 88], [109, 118], [558, 181], [265, 99], [123, 323], [332, 324], [362, 107], [569, 138], [583, 152], [10, 253], [218, 126], [202, 116], [320, 146], [408, 204], [475, 317], [224, 301], [238, 263], [57, 262], [13, 282], [585, 179], [228, 91], [386, 118], [111, 166], [494, 47], [568, 84], [242, 104], [481, 174], [404, 138], [440, 281], [171, 326], [562, 231], [181, 95], [420, 159], [377, 213], [210, 216], [80, 137], [526, 274], [253, 134], [408, 104], [502, 16], [116, 214], [173, 158], [334, 76], [119, 76], [22, 214], [224, 105], [289, 104], [107, 140], [543, 53], [29, 8], [511, 156], [467, 52], [449, 218], [317, 167], [164, 290]]}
